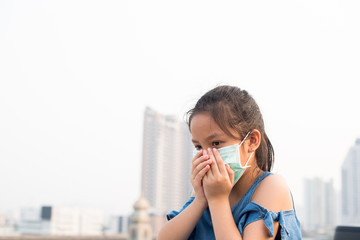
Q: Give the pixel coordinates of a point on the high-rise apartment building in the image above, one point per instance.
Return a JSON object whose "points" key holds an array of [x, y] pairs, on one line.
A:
{"points": [[167, 154], [350, 186], [319, 215]]}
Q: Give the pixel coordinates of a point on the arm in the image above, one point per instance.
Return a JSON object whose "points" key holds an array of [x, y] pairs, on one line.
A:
{"points": [[225, 227], [181, 226], [223, 221]]}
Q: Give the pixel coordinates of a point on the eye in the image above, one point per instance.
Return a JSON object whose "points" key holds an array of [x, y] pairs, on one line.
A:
{"points": [[198, 147], [215, 144]]}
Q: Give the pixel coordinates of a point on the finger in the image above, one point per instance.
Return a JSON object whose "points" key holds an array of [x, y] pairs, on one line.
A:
{"points": [[202, 173], [197, 156], [195, 168], [231, 173], [198, 161], [206, 155], [213, 166], [206, 175], [219, 161], [200, 166]]}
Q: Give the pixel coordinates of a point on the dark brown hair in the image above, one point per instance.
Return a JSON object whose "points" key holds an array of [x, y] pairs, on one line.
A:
{"points": [[233, 108]]}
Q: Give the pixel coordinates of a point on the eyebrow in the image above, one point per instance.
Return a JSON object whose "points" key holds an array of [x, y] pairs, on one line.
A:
{"points": [[212, 136]]}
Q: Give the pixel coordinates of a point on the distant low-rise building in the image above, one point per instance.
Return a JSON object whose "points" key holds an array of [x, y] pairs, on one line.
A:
{"points": [[49, 220], [118, 224], [140, 228], [7, 226]]}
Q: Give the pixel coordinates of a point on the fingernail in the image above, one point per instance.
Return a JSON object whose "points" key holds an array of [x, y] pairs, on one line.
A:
{"points": [[209, 149], [204, 152], [215, 150]]}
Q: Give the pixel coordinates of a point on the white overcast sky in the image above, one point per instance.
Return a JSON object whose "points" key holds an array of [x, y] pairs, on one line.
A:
{"points": [[76, 76]]}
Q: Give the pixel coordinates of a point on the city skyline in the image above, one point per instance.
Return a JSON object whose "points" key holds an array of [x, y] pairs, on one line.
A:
{"points": [[320, 210], [151, 116], [75, 78]]}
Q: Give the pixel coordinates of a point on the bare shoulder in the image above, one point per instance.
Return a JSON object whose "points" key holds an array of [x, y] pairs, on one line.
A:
{"points": [[273, 194]]}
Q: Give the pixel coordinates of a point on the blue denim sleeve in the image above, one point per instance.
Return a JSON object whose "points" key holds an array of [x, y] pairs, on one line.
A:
{"points": [[173, 214], [253, 212]]}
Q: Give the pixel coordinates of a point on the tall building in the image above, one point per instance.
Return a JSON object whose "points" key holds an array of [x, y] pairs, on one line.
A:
{"points": [[166, 166], [350, 186], [319, 215], [167, 154]]}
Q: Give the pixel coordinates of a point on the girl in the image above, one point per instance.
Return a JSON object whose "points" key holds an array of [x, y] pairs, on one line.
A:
{"points": [[235, 195]]}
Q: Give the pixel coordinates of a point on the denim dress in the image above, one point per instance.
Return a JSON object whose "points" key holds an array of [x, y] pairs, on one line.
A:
{"points": [[246, 212]]}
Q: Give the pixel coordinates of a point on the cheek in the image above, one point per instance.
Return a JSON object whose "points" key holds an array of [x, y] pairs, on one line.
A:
{"points": [[243, 154]]}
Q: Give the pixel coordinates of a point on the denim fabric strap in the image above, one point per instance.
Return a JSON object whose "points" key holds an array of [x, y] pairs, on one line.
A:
{"points": [[269, 219], [254, 212]]}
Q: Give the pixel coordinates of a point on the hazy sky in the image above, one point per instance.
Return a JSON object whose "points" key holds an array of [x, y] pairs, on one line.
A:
{"points": [[76, 76]]}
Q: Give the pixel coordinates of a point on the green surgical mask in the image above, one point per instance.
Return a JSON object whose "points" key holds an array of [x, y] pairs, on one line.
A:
{"points": [[231, 156]]}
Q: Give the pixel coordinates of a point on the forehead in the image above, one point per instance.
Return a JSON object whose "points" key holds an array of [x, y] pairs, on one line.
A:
{"points": [[203, 125]]}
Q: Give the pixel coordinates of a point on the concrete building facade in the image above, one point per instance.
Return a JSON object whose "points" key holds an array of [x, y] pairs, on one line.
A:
{"points": [[320, 202], [166, 166], [350, 186]]}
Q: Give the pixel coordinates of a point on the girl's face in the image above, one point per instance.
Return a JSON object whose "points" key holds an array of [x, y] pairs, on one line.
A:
{"points": [[206, 133]]}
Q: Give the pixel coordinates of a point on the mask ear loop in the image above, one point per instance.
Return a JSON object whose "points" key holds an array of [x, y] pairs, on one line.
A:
{"points": [[245, 138], [250, 154], [248, 161]]}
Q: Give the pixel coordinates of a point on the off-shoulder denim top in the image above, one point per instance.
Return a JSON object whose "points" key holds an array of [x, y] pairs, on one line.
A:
{"points": [[246, 212]]}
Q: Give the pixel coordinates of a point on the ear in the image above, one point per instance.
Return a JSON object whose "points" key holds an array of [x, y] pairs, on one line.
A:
{"points": [[254, 140]]}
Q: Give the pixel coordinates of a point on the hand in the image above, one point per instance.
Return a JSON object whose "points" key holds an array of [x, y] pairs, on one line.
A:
{"points": [[200, 165], [219, 180]]}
